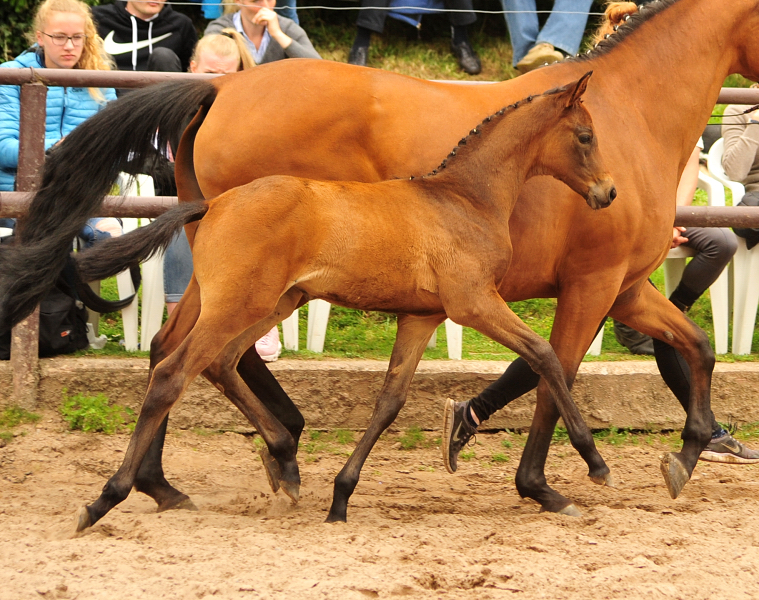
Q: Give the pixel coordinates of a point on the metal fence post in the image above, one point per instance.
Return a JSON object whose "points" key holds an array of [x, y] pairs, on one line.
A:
{"points": [[31, 155]]}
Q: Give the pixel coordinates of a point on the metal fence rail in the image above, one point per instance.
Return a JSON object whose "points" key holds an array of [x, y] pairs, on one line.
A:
{"points": [[34, 82]]}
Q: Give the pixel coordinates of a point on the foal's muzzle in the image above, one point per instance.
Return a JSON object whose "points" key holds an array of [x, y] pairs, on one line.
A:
{"points": [[601, 194]]}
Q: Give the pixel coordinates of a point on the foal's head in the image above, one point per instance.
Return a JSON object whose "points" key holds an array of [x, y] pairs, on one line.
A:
{"points": [[569, 150]]}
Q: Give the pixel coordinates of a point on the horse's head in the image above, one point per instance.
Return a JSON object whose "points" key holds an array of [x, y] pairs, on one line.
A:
{"points": [[570, 150]]}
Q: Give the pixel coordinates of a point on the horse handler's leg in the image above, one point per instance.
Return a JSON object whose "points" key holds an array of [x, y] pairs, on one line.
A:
{"points": [[169, 380], [413, 335], [490, 315], [651, 313], [150, 478]]}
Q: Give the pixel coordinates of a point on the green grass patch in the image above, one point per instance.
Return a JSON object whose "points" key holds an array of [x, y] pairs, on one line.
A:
{"points": [[498, 457], [95, 414], [412, 438], [14, 416]]}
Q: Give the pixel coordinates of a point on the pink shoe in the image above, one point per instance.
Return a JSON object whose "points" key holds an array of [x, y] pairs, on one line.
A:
{"points": [[269, 347]]}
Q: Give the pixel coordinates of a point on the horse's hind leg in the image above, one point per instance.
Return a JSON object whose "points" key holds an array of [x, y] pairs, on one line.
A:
{"points": [[150, 478], [651, 313], [169, 380], [410, 342]]}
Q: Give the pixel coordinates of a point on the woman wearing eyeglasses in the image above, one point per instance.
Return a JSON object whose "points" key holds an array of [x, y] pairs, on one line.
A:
{"points": [[64, 37]]}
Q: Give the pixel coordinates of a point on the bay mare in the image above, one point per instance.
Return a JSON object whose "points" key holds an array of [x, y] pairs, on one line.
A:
{"points": [[655, 83], [423, 248]]}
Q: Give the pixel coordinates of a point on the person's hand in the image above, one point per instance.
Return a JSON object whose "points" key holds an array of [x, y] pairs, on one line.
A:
{"points": [[266, 16], [677, 236]]}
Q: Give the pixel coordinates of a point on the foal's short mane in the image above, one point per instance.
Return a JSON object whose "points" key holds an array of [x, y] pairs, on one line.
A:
{"points": [[487, 125], [645, 12]]}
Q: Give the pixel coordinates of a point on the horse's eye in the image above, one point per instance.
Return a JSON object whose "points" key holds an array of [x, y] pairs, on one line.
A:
{"points": [[585, 138]]}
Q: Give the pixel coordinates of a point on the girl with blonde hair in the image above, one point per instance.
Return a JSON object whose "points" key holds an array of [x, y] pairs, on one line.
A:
{"points": [[225, 52], [64, 37]]}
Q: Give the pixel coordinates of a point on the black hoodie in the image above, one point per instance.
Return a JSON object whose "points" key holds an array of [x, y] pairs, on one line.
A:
{"points": [[131, 40]]}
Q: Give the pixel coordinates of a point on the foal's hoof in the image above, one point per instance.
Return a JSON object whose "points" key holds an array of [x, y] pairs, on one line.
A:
{"points": [[82, 521], [606, 480], [292, 489], [570, 510], [271, 466], [675, 474]]}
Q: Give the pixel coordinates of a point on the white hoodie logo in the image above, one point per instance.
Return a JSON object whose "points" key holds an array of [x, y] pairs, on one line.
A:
{"points": [[112, 47]]}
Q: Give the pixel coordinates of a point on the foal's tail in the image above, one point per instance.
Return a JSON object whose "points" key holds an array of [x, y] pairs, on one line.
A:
{"points": [[78, 174], [110, 256]]}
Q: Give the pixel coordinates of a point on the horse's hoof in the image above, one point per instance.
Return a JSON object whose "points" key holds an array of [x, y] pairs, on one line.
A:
{"points": [[675, 474], [292, 489], [82, 520], [570, 510], [185, 504], [271, 466], [606, 480]]}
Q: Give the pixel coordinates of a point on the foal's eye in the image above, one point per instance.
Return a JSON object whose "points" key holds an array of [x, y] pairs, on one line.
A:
{"points": [[585, 138]]}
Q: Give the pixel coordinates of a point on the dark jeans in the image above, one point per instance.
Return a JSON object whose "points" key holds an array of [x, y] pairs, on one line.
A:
{"points": [[375, 19]]}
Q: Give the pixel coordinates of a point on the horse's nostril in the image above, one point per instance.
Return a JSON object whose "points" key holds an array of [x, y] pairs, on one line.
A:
{"points": [[612, 194]]}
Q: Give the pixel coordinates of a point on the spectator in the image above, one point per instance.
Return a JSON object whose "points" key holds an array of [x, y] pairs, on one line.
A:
{"points": [[374, 21], [65, 38], [269, 37], [146, 36], [223, 53], [560, 36]]}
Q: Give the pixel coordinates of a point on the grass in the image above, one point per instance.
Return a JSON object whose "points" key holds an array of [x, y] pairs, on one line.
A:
{"points": [[12, 417], [95, 414]]}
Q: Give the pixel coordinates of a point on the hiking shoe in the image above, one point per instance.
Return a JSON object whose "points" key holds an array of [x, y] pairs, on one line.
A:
{"points": [[467, 57], [727, 449], [456, 432], [635, 341], [269, 347], [539, 55]]}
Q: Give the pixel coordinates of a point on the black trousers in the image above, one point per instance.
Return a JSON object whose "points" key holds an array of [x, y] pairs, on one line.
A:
{"points": [[375, 19]]}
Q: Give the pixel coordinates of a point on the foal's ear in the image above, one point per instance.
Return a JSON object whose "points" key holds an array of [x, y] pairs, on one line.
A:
{"points": [[579, 89]]}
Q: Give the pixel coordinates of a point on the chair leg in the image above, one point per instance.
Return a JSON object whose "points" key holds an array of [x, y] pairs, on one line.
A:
{"points": [[318, 315], [454, 333], [720, 311], [432, 344], [152, 299], [673, 273], [595, 346], [290, 331], [745, 313], [128, 314]]}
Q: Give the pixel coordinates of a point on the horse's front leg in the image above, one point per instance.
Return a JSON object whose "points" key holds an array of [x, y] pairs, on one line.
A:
{"points": [[651, 313], [490, 315], [410, 342]]}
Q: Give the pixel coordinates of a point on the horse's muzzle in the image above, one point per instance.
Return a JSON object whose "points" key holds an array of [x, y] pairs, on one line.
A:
{"points": [[602, 194]]}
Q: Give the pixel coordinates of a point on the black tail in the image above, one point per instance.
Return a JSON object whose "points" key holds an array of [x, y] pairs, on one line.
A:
{"points": [[76, 177], [111, 256]]}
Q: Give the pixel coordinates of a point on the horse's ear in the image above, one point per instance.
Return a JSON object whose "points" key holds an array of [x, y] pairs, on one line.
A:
{"points": [[579, 89]]}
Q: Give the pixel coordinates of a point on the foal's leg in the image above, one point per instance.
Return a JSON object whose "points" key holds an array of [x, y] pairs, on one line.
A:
{"points": [[410, 342], [169, 380], [490, 315], [651, 313]]}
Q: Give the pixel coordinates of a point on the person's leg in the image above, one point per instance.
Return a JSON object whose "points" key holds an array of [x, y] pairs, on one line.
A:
{"points": [[566, 25], [460, 46], [368, 22], [165, 60], [286, 8], [177, 270], [522, 23], [100, 229]]}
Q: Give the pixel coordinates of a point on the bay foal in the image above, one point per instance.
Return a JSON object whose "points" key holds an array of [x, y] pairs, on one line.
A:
{"points": [[423, 248]]}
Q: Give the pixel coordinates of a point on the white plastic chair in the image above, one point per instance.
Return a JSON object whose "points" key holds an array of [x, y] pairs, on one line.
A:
{"points": [[745, 263], [318, 315], [152, 277], [674, 265]]}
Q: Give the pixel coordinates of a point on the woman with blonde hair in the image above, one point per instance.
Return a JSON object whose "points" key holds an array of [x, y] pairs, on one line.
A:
{"points": [[64, 37], [225, 52]]}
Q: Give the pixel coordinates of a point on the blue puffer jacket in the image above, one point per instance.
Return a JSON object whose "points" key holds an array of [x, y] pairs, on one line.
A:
{"points": [[66, 108]]}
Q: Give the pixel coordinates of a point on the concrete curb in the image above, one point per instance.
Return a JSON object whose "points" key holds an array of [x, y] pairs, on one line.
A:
{"points": [[340, 394]]}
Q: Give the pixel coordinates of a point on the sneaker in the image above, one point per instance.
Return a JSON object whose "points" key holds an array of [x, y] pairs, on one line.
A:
{"points": [[635, 341], [727, 449], [539, 55], [467, 57], [268, 347], [456, 432], [358, 56]]}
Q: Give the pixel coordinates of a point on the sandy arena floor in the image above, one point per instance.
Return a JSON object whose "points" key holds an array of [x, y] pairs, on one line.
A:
{"points": [[413, 530]]}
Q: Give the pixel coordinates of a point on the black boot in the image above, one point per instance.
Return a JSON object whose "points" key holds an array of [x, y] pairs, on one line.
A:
{"points": [[635, 341]]}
